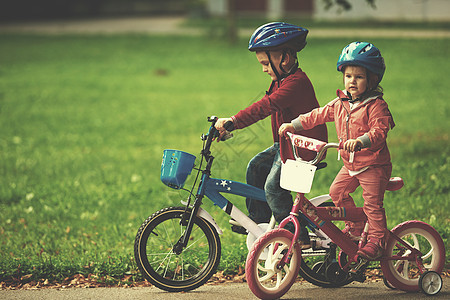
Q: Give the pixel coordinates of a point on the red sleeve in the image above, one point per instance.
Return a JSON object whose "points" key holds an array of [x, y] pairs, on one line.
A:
{"points": [[317, 116], [252, 114], [294, 91]]}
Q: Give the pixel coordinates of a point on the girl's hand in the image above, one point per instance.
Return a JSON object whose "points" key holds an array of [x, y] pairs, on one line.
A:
{"points": [[286, 127], [353, 145]]}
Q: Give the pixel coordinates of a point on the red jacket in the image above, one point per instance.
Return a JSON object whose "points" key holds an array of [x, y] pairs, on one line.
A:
{"points": [[294, 96], [369, 121]]}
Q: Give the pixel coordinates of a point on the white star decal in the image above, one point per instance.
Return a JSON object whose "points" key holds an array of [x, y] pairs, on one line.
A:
{"points": [[223, 183]]}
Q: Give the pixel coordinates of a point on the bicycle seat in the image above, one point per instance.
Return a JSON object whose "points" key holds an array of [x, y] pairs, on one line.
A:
{"points": [[395, 183]]}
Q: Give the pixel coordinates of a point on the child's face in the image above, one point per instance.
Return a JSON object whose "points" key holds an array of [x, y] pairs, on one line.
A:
{"points": [[264, 61], [355, 80]]}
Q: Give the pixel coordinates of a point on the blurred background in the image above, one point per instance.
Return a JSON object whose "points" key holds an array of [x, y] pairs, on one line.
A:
{"points": [[387, 10]]}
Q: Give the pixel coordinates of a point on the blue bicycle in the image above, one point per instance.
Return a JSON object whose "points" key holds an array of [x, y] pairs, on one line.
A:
{"points": [[178, 248]]}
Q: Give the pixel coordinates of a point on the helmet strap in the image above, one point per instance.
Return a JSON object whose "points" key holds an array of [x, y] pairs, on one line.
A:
{"points": [[284, 73], [272, 66]]}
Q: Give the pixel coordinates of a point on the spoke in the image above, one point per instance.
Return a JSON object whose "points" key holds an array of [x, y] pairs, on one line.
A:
{"points": [[266, 277], [429, 254], [167, 233], [156, 254], [397, 265], [175, 271], [182, 268], [269, 260], [202, 237], [279, 279], [405, 271], [416, 241], [160, 238], [157, 262], [168, 264], [268, 273]]}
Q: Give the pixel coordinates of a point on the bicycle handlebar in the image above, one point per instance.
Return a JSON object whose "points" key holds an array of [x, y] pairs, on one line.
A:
{"points": [[312, 144]]}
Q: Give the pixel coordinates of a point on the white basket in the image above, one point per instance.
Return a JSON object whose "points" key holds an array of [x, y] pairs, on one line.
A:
{"points": [[297, 176]]}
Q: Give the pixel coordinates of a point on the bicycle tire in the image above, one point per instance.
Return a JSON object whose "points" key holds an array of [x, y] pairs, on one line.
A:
{"points": [[153, 251], [403, 274], [263, 277]]}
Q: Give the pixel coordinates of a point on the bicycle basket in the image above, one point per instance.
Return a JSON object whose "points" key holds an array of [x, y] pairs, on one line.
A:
{"points": [[175, 168], [297, 176]]}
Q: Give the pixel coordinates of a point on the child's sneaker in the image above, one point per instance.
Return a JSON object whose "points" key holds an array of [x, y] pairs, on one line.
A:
{"points": [[370, 251], [236, 227], [303, 240]]}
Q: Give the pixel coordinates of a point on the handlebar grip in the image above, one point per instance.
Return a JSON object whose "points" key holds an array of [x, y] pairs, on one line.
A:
{"points": [[229, 126]]}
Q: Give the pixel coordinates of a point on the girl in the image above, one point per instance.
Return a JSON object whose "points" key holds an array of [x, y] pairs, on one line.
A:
{"points": [[362, 120]]}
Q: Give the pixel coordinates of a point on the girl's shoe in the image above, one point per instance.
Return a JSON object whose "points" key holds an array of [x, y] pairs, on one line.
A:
{"points": [[370, 251]]}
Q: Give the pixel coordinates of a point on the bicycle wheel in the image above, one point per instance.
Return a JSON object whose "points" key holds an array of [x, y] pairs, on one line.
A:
{"points": [[405, 274], [155, 258], [264, 278]]}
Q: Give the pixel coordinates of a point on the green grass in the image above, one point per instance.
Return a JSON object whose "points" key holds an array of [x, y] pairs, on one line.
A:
{"points": [[84, 121]]}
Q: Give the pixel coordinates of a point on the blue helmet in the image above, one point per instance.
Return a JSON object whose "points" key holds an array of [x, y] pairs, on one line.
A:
{"points": [[362, 54], [275, 34]]}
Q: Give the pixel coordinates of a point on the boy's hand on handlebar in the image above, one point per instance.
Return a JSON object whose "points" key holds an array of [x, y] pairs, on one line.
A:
{"points": [[221, 122], [353, 145], [284, 128], [220, 127]]}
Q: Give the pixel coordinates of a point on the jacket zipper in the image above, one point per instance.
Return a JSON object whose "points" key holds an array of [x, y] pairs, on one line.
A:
{"points": [[347, 119]]}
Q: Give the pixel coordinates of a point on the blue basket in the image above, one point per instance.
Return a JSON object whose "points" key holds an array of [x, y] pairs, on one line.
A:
{"points": [[175, 168]]}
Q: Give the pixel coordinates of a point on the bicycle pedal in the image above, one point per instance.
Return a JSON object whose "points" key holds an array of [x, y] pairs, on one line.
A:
{"points": [[359, 267], [239, 229]]}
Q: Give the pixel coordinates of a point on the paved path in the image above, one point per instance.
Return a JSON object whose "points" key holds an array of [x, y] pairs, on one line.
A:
{"points": [[371, 290], [174, 25]]}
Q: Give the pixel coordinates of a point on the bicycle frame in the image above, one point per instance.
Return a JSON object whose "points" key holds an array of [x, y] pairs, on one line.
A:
{"points": [[321, 217], [213, 189]]}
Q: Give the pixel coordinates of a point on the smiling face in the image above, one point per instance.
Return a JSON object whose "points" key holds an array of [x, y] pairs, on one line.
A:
{"points": [[355, 80]]}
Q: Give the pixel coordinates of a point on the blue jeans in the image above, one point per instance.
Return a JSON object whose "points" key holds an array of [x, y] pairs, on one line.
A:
{"points": [[264, 171]]}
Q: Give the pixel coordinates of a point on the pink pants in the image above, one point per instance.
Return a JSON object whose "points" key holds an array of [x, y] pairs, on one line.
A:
{"points": [[373, 182]]}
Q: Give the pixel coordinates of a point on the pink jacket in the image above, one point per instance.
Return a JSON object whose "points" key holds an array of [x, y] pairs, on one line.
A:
{"points": [[369, 121]]}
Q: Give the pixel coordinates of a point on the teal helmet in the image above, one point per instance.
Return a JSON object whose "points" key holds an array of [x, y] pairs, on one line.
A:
{"points": [[362, 54]]}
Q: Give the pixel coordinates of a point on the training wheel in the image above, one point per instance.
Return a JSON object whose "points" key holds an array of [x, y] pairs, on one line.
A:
{"points": [[430, 283]]}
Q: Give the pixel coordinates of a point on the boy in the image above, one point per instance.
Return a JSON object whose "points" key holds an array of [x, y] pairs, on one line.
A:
{"points": [[290, 94]]}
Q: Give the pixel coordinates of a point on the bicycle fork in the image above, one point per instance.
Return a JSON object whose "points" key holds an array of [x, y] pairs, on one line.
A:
{"points": [[189, 223], [293, 217]]}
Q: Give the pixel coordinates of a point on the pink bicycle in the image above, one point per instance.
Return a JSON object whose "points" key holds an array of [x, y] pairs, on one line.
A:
{"points": [[413, 260]]}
